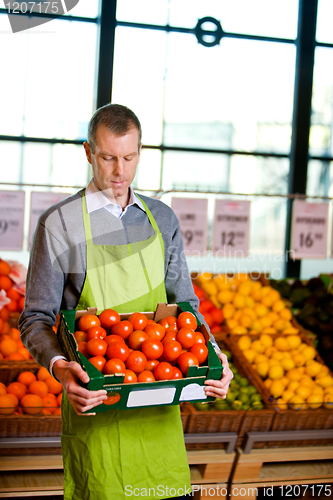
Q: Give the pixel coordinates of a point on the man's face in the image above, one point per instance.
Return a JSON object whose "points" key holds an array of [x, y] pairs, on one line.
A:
{"points": [[114, 162]]}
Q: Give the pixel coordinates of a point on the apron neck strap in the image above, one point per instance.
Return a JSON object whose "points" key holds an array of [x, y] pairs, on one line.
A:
{"points": [[150, 215]]}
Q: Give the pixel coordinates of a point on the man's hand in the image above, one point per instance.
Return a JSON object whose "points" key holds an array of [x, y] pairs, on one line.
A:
{"points": [[68, 373], [219, 388]]}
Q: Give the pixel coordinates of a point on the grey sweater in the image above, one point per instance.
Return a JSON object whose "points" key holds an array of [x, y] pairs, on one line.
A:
{"points": [[57, 266]]}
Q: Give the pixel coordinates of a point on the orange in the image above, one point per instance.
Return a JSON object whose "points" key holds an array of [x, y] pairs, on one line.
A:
{"points": [[8, 346], [14, 399], [4, 267], [42, 373], [17, 388], [13, 294], [4, 313], [32, 404], [14, 334], [6, 326], [26, 378], [59, 398], [1, 324], [12, 305], [5, 282], [45, 411], [1, 356], [39, 388], [57, 411], [24, 351], [3, 390], [20, 304], [15, 356], [7, 405], [50, 401], [54, 386]]}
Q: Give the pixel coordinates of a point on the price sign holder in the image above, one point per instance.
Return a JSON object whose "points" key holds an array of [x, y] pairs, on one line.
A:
{"points": [[192, 215], [231, 228], [39, 202], [309, 230], [11, 220]]}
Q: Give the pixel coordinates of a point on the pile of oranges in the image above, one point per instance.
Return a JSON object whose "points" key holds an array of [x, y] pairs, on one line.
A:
{"points": [[31, 394], [16, 303]]}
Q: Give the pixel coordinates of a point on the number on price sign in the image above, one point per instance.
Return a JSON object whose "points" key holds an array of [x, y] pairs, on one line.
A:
{"points": [[309, 230], [192, 215], [231, 227]]}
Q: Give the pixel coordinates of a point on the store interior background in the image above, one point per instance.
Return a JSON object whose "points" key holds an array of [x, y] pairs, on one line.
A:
{"points": [[250, 117]]}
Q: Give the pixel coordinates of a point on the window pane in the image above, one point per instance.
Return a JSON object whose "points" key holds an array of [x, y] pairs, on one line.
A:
{"points": [[63, 165], [47, 90], [217, 172], [324, 21], [10, 154], [143, 11], [322, 103], [85, 8], [148, 174], [138, 77], [276, 18], [239, 94], [320, 178]]}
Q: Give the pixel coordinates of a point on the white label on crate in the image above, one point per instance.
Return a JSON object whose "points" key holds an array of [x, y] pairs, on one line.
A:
{"points": [[193, 391], [231, 228], [309, 230], [39, 202], [150, 397], [192, 215], [11, 220]]}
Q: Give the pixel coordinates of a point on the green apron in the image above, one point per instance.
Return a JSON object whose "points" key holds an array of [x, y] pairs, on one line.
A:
{"points": [[138, 452]]}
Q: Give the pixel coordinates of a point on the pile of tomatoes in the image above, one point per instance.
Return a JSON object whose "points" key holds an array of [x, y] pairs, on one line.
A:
{"points": [[140, 348]]}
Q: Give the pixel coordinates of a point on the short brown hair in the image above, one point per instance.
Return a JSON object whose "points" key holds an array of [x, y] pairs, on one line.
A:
{"points": [[117, 118]]}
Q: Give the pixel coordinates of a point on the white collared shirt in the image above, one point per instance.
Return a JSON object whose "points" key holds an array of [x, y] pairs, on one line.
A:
{"points": [[96, 199]]}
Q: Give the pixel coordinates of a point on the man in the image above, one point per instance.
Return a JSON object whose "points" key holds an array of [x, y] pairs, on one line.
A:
{"points": [[107, 247]]}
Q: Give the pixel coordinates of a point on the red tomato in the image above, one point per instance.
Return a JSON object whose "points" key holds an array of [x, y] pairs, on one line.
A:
{"points": [[217, 315], [208, 318], [87, 321], [108, 318], [151, 364], [186, 360], [169, 322], [163, 371], [130, 377], [146, 376], [199, 338], [118, 350], [172, 349], [136, 361], [205, 306], [215, 328], [114, 365], [96, 332], [198, 292], [136, 338], [152, 348], [187, 320], [169, 336], [109, 339], [124, 328], [176, 373], [80, 336], [82, 347], [155, 331], [98, 362], [138, 320], [97, 347], [186, 337], [200, 351]]}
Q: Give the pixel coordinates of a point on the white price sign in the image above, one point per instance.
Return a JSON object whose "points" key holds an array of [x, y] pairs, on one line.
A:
{"points": [[231, 227], [309, 230], [39, 202], [11, 220], [192, 215]]}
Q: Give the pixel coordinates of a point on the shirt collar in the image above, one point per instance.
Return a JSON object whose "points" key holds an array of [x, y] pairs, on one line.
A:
{"points": [[95, 200]]}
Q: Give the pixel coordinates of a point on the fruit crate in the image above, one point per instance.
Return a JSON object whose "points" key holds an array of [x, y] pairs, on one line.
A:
{"points": [[14, 426], [9, 370], [239, 421], [289, 420]]}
